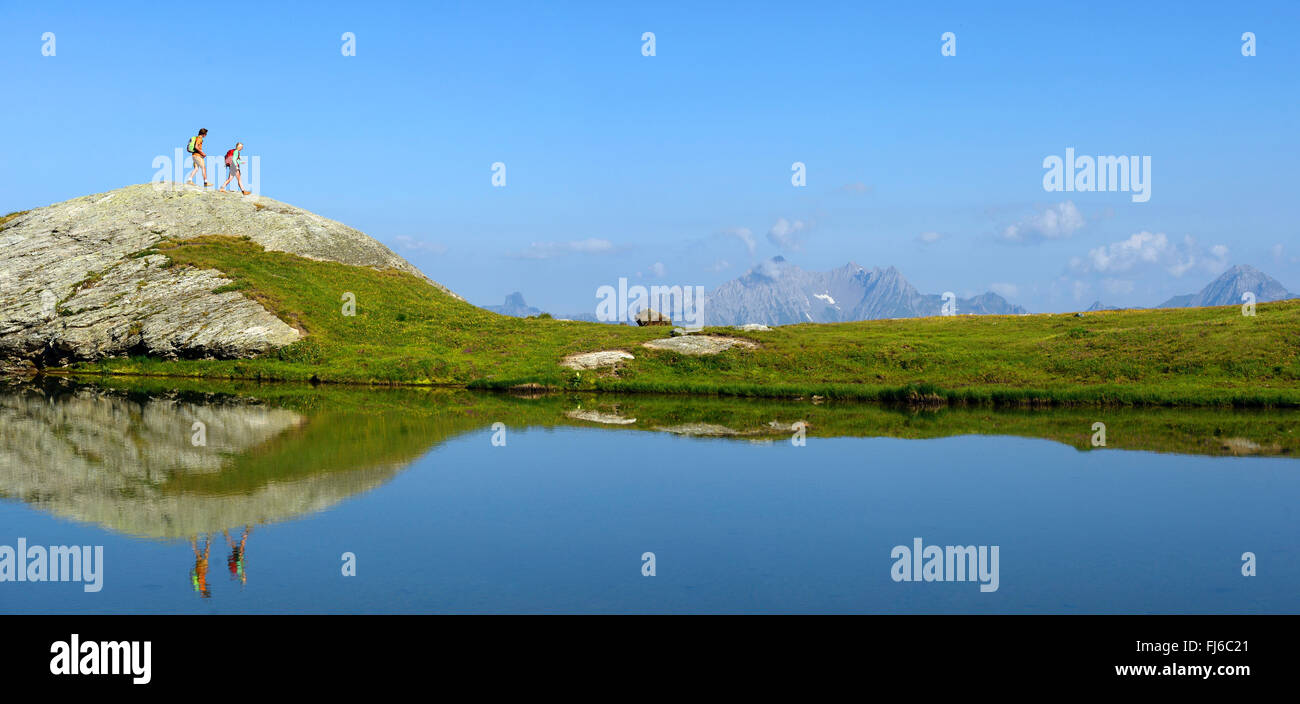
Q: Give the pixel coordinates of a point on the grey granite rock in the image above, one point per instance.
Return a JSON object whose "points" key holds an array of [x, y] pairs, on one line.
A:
{"points": [[595, 360], [71, 289], [698, 344]]}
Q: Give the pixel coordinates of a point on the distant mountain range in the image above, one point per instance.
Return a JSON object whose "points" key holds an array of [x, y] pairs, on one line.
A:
{"points": [[1227, 289], [1224, 291], [777, 292], [515, 306]]}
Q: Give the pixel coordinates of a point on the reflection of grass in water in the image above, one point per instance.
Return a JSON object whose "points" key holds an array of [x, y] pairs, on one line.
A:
{"points": [[1189, 430], [351, 440], [350, 427], [327, 443], [339, 436]]}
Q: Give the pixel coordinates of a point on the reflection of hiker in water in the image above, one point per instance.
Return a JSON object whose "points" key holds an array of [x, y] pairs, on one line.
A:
{"points": [[236, 560], [199, 575]]}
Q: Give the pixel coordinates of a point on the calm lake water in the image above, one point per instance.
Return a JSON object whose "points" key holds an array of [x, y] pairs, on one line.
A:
{"points": [[440, 518]]}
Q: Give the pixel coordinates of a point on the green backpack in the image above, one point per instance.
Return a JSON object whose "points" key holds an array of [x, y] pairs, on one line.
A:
{"points": [[190, 147]]}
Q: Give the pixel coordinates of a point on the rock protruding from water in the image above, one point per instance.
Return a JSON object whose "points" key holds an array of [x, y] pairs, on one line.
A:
{"points": [[71, 289]]}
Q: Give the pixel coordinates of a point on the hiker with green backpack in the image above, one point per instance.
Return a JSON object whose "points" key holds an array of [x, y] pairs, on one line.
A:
{"points": [[195, 148], [234, 160]]}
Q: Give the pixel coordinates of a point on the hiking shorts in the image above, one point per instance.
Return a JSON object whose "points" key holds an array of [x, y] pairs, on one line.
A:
{"points": [[233, 168], [198, 161]]}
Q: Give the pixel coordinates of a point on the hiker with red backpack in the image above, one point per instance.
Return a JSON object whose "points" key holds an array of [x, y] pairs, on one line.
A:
{"points": [[195, 148], [234, 160]]}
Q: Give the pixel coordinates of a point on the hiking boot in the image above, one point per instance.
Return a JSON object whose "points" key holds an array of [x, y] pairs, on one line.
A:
{"points": [[247, 193]]}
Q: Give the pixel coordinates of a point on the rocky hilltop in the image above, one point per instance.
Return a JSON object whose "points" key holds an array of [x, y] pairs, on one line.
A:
{"points": [[74, 286]]}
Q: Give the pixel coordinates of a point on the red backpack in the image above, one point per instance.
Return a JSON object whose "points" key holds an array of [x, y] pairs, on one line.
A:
{"points": [[230, 155]]}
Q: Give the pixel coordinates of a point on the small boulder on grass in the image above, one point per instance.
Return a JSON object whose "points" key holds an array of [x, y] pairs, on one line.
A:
{"points": [[650, 316]]}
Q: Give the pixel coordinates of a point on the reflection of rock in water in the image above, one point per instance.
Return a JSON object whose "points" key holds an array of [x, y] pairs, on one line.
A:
{"points": [[126, 462]]}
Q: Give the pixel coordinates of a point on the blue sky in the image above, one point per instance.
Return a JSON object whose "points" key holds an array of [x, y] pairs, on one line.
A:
{"points": [[665, 169]]}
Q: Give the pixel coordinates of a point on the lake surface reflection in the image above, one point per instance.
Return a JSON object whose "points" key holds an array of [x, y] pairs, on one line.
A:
{"points": [[246, 498]]}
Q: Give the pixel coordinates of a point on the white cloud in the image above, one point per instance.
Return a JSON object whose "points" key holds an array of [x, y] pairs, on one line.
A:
{"points": [[410, 244], [1278, 252], [657, 269], [770, 269], [548, 250], [743, 234], [1143, 249], [1052, 223], [1140, 248], [1218, 260], [1005, 290], [785, 234], [857, 187], [929, 237], [721, 264], [1117, 287]]}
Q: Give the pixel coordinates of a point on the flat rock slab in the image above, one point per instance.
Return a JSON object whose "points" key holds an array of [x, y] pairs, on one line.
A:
{"points": [[698, 344], [595, 360]]}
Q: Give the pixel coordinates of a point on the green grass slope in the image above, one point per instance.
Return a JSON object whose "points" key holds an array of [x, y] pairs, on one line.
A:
{"points": [[407, 332]]}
